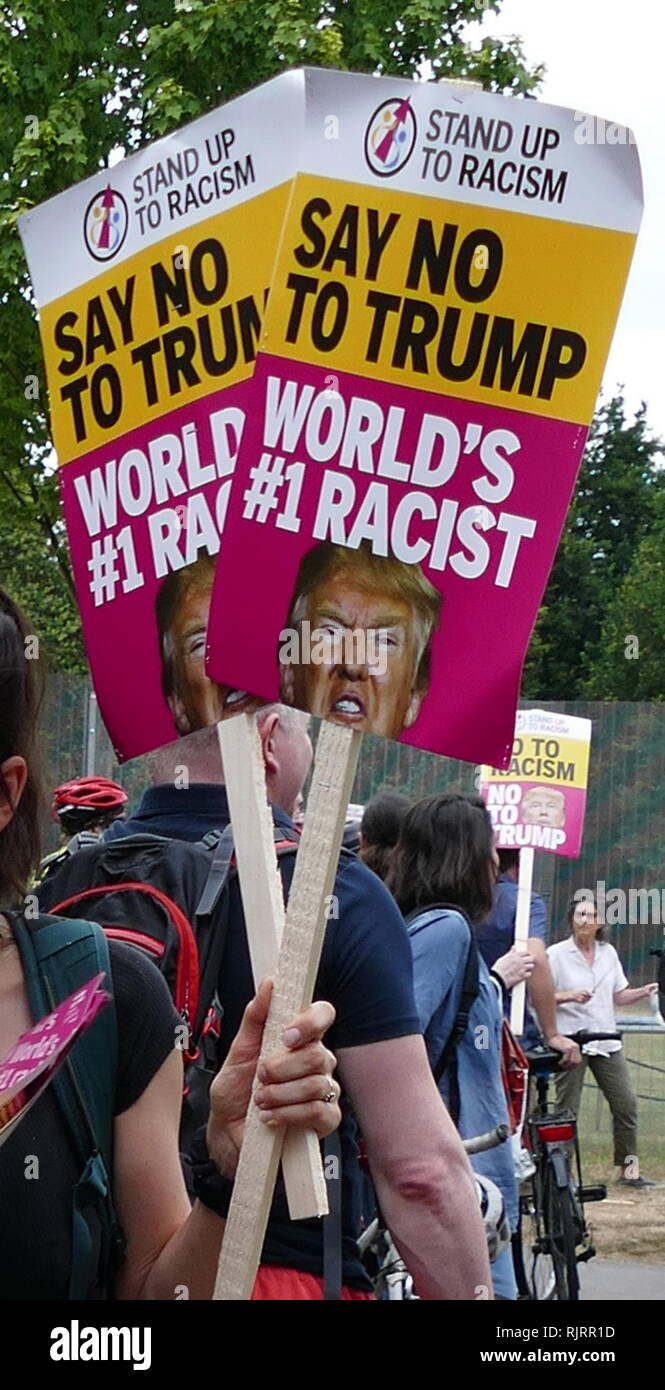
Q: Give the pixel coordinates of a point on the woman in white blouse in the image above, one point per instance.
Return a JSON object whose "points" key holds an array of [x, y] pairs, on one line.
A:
{"points": [[589, 981]]}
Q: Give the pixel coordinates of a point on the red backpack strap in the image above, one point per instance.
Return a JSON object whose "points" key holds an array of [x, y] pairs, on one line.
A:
{"points": [[186, 994]]}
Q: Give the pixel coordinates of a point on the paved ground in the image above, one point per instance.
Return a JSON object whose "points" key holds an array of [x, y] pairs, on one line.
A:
{"points": [[618, 1280]]}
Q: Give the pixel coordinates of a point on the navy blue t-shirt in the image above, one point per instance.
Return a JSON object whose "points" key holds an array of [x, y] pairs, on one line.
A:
{"points": [[366, 972]]}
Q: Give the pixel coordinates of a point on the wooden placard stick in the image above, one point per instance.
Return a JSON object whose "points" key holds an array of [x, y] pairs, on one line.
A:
{"points": [[316, 865], [263, 905], [522, 916]]}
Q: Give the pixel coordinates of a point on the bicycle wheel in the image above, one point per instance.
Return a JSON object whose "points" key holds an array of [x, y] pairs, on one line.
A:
{"points": [[560, 1226], [534, 1268]]}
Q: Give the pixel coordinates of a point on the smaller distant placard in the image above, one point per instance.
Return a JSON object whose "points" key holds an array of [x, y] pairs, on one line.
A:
{"points": [[540, 799]]}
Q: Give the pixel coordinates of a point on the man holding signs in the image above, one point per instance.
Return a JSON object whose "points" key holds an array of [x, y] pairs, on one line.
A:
{"points": [[431, 355]]}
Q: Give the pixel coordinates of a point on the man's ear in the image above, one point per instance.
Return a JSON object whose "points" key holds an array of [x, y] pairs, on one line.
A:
{"points": [[15, 775], [413, 708], [266, 731], [180, 718]]}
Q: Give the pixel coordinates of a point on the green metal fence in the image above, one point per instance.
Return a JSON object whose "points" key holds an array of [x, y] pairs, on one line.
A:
{"points": [[624, 838]]}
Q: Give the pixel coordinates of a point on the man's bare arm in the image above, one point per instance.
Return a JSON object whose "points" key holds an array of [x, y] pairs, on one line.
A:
{"points": [[421, 1173]]}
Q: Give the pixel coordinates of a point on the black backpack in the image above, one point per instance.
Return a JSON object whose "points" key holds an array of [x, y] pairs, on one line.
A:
{"points": [[169, 899], [447, 1062]]}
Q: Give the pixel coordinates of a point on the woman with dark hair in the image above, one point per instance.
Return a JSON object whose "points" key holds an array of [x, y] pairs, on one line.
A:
{"points": [[380, 828], [168, 1245], [442, 874], [589, 981]]}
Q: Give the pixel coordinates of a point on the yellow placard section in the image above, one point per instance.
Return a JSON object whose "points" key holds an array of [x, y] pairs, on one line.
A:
{"points": [[472, 302], [562, 762], [168, 326]]}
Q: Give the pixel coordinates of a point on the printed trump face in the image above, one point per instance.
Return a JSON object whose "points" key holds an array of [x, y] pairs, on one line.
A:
{"points": [[356, 648], [182, 618], [358, 666], [544, 806]]}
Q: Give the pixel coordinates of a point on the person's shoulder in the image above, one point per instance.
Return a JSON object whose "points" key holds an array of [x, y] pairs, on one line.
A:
{"points": [[137, 984], [538, 917], [440, 922], [119, 830], [505, 887], [363, 906], [359, 882], [558, 947], [366, 966], [149, 1027], [443, 913]]}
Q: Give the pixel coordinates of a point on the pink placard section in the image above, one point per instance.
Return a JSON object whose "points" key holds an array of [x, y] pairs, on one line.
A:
{"points": [[139, 512], [474, 497], [532, 813]]}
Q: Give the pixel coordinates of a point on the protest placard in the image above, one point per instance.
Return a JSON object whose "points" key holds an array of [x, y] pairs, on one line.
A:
{"points": [[539, 799], [29, 1066], [448, 280], [538, 802], [151, 279]]}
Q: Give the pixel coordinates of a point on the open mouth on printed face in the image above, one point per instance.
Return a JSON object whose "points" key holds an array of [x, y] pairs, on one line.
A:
{"points": [[236, 700], [348, 706]]}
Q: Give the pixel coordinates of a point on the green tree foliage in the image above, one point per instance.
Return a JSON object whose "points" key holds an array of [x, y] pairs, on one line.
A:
{"points": [[31, 573], [81, 78], [631, 664], [613, 528]]}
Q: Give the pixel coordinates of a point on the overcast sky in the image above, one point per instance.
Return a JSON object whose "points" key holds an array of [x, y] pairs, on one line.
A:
{"points": [[608, 57]]}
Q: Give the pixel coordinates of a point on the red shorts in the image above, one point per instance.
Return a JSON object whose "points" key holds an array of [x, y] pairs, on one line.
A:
{"points": [[274, 1284]]}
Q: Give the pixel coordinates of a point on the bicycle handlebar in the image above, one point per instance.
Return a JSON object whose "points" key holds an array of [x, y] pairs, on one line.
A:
{"points": [[491, 1140], [585, 1036], [544, 1061]]}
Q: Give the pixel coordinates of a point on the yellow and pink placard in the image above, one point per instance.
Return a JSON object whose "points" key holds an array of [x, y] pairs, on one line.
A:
{"points": [[352, 331], [539, 800]]}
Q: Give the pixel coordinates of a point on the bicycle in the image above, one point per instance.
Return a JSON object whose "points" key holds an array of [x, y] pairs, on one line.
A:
{"points": [[552, 1237], [390, 1276]]}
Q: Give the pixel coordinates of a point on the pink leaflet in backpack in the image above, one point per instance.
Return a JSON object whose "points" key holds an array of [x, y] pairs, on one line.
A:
{"points": [[29, 1066]]}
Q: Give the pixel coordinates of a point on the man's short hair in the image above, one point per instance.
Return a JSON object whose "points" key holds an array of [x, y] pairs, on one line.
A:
{"points": [[373, 572], [508, 859], [199, 575]]}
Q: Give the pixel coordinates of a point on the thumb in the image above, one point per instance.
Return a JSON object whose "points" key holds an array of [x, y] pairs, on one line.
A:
{"points": [[248, 1039]]}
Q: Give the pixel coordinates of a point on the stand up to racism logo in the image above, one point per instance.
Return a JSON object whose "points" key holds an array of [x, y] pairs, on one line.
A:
{"points": [[390, 137], [105, 224]]}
